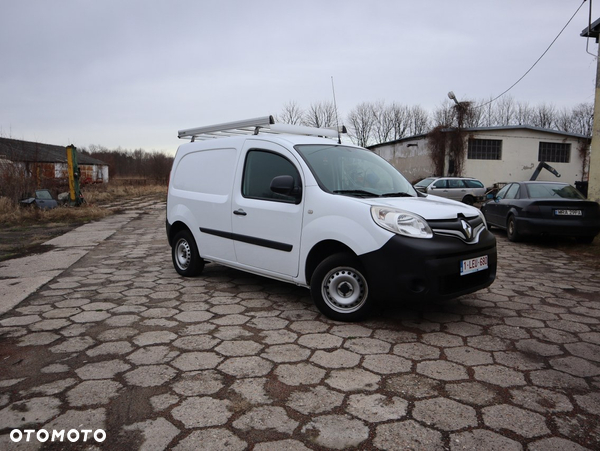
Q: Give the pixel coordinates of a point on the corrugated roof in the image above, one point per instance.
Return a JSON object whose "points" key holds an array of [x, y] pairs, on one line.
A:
{"points": [[17, 150]]}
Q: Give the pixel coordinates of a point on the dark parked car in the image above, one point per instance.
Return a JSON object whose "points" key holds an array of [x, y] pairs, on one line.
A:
{"points": [[543, 208], [41, 199]]}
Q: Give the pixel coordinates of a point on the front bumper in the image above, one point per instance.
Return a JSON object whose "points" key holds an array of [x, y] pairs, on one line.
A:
{"points": [[423, 269]]}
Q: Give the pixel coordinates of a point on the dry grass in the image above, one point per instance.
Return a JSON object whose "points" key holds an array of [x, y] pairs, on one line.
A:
{"points": [[96, 198]]}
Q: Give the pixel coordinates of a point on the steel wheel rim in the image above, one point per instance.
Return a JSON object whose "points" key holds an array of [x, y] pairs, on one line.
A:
{"points": [[344, 290], [511, 227], [183, 254]]}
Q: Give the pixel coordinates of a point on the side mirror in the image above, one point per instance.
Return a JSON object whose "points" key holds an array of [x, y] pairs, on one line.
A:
{"points": [[490, 196], [286, 185]]}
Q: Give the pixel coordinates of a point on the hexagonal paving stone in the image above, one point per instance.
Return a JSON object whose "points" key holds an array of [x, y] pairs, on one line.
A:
{"points": [[336, 431], [480, 439], [154, 338], [442, 370], [541, 400], [340, 358], [353, 380], [386, 364], [377, 408], [267, 418], [106, 369], [201, 412], [315, 400], [416, 351], [93, 392], [152, 355], [286, 353], [33, 411], [523, 422], [499, 375], [157, 433], [212, 438], [150, 375], [445, 414], [196, 383], [320, 341], [407, 435], [246, 366], [299, 374], [239, 348]]}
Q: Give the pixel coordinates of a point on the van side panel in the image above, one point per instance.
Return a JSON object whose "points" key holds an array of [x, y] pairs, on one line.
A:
{"points": [[202, 184]]}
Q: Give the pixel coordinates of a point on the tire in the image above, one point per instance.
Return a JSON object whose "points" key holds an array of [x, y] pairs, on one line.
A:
{"points": [[511, 229], [184, 252], [469, 200], [339, 288], [584, 239]]}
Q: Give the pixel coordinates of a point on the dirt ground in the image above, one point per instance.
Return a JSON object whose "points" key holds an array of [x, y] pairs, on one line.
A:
{"points": [[24, 240]]}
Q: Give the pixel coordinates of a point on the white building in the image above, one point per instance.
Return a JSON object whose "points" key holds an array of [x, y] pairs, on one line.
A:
{"points": [[496, 155]]}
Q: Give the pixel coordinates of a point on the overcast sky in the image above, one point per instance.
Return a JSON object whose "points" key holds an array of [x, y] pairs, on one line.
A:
{"points": [[132, 73]]}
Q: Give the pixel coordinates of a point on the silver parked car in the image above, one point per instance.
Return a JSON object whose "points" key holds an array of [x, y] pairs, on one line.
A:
{"points": [[462, 189]]}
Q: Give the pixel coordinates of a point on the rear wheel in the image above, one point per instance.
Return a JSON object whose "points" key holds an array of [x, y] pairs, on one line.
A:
{"points": [[339, 288], [186, 259], [511, 229]]}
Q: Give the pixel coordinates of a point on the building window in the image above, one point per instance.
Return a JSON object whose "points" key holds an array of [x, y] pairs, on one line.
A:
{"points": [[485, 149], [554, 152]]}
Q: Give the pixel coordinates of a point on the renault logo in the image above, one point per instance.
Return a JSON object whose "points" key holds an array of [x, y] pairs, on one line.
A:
{"points": [[467, 229]]}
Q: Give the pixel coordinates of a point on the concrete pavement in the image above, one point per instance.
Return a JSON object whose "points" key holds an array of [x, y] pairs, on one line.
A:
{"points": [[113, 340]]}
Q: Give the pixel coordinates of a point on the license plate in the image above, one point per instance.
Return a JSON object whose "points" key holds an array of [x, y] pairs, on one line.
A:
{"points": [[568, 212], [473, 265]]}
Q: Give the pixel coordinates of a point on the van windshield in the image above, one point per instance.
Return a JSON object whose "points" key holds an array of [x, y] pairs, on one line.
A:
{"points": [[353, 171]]}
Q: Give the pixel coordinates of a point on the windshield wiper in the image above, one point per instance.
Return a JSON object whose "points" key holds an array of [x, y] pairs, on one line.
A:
{"points": [[356, 192], [397, 195]]}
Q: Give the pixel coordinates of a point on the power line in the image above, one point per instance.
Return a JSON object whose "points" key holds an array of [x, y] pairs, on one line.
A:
{"points": [[537, 61]]}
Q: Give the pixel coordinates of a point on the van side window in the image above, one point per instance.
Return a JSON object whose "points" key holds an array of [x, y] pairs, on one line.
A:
{"points": [[260, 168]]}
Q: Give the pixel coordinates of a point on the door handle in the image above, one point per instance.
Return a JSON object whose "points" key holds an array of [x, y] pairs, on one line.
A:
{"points": [[239, 212]]}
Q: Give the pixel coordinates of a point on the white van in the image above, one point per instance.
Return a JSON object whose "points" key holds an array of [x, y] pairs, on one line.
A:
{"points": [[294, 204]]}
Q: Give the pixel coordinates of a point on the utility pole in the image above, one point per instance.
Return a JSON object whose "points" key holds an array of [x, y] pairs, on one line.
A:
{"points": [[593, 31], [74, 192]]}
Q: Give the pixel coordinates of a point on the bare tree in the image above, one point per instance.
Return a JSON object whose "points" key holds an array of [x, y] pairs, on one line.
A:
{"points": [[383, 122], [361, 122], [505, 111], [583, 119], [523, 114], [564, 120], [488, 113], [544, 116], [419, 121], [291, 114], [321, 115], [444, 115]]}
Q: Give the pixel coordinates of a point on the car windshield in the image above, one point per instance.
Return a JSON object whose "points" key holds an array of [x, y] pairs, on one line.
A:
{"points": [[354, 171], [425, 182], [552, 191], [43, 195]]}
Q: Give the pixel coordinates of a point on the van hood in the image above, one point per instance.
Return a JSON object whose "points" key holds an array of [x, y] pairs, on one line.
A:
{"points": [[429, 208]]}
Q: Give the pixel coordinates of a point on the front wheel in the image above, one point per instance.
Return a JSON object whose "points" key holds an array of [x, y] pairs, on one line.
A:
{"points": [[339, 288], [469, 200], [186, 259]]}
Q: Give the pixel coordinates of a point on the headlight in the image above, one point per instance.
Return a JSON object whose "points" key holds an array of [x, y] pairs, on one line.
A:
{"points": [[401, 222]]}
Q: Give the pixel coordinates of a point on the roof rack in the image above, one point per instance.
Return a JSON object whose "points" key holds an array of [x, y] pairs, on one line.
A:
{"points": [[264, 124]]}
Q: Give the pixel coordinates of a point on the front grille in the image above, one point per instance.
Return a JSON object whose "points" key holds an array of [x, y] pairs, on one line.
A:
{"points": [[457, 228]]}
